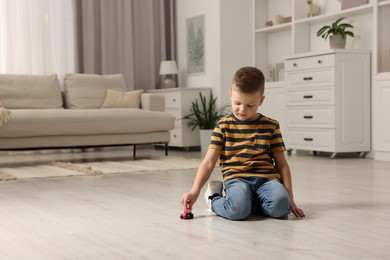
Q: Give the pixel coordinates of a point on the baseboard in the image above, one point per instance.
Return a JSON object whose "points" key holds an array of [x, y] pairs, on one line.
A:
{"points": [[382, 156]]}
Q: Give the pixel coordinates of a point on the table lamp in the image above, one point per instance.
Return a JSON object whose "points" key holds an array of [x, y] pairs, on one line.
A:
{"points": [[168, 69]]}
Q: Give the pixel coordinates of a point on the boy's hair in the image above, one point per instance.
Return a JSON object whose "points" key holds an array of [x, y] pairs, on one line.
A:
{"points": [[249, 80]]}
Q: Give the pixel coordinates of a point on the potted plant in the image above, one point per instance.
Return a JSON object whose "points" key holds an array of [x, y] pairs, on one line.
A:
{"points": [[204, 115], [337, 33]]}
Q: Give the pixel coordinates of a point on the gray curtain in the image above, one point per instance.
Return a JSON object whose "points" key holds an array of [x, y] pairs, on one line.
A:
{"points": [[130, 37]]}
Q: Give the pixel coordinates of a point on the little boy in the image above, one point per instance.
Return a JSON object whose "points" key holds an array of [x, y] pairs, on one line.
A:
{"points": [[250, 147]]}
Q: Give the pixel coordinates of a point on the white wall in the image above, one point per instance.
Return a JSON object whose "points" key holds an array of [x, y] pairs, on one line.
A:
{"points": [[187, 9], [228, 42], [237, 48]]}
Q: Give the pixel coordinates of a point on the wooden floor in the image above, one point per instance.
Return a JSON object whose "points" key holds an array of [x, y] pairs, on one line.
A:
{"points": [[136, 216]]}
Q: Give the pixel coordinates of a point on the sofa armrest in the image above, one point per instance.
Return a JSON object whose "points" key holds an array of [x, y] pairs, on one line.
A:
{"points": [[153, 102]]}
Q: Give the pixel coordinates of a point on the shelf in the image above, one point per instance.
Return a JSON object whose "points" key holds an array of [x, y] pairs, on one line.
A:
{"points": [[383, 76], [298, 39], [384, 3], [274, 28], [325, 52], [343, 13]]}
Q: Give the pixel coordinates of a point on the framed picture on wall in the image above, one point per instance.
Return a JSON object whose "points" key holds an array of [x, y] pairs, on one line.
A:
{"points": [[195, 45]]}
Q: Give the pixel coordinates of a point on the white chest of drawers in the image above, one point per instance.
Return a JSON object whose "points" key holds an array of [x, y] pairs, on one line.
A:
{"points": [[328, 101], [178, 102]]}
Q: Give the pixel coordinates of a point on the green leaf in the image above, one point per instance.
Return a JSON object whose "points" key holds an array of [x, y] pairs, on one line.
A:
{"points": [[336, 28], [204, 114]]}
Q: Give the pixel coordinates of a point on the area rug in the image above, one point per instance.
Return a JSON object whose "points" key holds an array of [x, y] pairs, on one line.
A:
{"points": [[64, 169]]}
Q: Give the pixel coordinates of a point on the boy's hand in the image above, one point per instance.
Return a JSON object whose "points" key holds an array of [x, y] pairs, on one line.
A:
{"points": [[189, 198], [297, 211]]}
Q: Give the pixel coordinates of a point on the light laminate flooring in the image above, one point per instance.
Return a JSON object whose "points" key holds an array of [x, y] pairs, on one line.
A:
{"points": [[136, 216]]}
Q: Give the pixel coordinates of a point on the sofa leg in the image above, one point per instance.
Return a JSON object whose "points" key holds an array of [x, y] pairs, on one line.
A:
{"points": [[134, 151], [166, 149]]}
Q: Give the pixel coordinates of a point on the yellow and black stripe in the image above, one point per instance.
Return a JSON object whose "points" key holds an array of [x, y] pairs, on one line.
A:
{"points": [[247, 146]]}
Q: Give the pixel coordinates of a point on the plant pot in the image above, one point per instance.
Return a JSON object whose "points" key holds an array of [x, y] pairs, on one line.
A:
{"points": [[337, 41], [205, 135]]}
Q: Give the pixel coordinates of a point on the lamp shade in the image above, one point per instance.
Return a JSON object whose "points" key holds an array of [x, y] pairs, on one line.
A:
{"points": [[168, 67]]}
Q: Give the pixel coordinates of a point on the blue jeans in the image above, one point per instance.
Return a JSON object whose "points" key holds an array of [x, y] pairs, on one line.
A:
{"points": [[244, 196]]}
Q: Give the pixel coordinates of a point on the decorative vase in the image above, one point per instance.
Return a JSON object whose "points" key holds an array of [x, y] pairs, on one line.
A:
{"points": [[337, 41], [169, 82]]}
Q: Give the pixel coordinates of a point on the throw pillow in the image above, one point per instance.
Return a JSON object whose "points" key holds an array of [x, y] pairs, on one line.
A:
{"points": [[120, 99]]}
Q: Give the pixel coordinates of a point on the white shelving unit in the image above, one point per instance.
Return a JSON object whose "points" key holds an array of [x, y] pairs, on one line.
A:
{"points": [[371, 21], [382, 38], [381, 81], [272, 106], [274, 43]]}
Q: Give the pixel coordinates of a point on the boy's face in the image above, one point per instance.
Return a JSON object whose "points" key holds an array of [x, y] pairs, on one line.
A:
{"points": [[244, 105]]}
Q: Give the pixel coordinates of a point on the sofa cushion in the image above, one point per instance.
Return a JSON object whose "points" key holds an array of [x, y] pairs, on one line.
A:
{"points": [[89, 90], [30, 91], [63, 122], [120, 99]]}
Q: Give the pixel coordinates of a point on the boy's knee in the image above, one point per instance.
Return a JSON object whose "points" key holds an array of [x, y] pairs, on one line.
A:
{"points": [[239, 212], [237, 205], [279, 207]]}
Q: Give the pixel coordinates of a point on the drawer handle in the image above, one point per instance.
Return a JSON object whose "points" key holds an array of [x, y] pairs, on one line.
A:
{"points": [[174, 99], [174, 136], [308, 117], [295, 65], [308, 96], [319, 61], [308, 139], [308, 78]]}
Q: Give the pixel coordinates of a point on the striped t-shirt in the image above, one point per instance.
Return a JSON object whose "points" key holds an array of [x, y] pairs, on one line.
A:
{"points": [[246, 147]]}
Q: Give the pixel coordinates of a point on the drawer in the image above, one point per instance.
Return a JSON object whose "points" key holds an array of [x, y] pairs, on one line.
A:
{"points": [[177, 115], [318, 140], [311, 96], [176, 137], [314, 62], [172, 100], [312, 78], [315, 117]]}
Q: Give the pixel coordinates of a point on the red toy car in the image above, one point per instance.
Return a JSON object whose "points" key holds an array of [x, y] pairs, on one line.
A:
{"points": [[187, 214]]}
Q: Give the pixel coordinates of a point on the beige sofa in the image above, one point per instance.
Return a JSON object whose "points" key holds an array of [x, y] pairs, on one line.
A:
{"points": [[92, 110]]}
